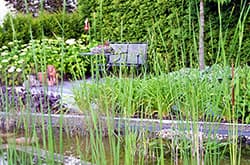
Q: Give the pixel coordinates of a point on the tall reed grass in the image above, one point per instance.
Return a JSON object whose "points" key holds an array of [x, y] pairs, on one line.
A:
{"points": [[185, 95]]}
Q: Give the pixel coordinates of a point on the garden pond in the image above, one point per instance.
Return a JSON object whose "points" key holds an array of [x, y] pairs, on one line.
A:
{"points": [[78, 147]]}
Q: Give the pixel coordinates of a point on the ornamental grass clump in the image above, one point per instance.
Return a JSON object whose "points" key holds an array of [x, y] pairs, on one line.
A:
{"points": [[176, 95], [186, 95]]}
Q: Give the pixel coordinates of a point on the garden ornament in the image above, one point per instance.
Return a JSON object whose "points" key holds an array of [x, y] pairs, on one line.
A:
{"points": [[52, 76], [105, 48], [86, 25], [42, 77]]}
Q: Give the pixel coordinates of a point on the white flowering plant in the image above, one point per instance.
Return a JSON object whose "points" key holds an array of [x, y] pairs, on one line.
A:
{"points": [[11, 65], [18, 60]]}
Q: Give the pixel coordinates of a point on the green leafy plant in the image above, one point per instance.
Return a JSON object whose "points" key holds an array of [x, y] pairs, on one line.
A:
{"points": [[186, 94], [19, 60]]}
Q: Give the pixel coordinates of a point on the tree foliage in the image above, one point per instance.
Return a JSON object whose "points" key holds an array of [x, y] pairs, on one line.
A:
{"points": [[35, 6]]}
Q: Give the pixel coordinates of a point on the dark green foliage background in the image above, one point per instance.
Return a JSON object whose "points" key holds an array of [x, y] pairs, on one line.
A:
{"points": [[46, 25], [170, 27]]}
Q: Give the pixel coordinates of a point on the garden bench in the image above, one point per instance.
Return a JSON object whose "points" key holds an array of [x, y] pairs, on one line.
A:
{"points": [[123, 54]]}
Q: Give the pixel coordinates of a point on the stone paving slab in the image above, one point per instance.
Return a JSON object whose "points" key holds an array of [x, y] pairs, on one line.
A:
{"points": [[81, 124]]}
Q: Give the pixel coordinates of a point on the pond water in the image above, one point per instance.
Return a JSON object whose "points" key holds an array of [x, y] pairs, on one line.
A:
{"points": [[82, 147], [72, 146]]}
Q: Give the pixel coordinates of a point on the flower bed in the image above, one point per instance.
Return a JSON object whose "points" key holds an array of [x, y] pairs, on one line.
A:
{"points": [[31, 100]]}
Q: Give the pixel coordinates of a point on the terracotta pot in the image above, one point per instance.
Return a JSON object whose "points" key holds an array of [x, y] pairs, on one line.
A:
{"points": [[51, 83], [42, 77]]}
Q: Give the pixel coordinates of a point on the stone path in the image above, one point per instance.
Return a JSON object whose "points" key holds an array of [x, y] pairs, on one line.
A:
{"points": [[66, 90], [80, 124]]}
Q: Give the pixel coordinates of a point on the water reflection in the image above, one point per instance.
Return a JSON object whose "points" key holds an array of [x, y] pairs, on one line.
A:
{"points": [[85, 147]]}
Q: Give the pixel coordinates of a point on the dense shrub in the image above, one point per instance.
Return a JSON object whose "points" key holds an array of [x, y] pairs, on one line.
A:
{"points": [[18, 60], [24, 27]]}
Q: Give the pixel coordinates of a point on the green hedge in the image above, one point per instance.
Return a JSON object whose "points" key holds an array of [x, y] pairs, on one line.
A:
{"points": [[24, 27], [172, 29]]}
